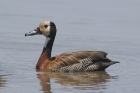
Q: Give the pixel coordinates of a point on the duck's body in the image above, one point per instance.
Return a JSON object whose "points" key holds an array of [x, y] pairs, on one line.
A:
{"points": [[70, 61]]}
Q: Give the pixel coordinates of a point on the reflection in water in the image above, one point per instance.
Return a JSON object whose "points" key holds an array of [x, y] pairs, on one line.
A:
{"points": [[2, 81], [2, 75], [44, 82], [82, 80]]}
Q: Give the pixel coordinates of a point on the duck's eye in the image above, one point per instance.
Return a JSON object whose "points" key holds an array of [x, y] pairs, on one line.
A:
{"points": [[45, 26]]}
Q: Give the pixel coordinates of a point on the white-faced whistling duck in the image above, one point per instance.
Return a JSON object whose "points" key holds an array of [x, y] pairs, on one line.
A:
{"points": [[79, 61]]}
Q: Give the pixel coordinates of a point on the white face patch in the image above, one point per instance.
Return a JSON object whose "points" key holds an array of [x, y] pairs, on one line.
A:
{"points": [[46, 41], [47, 22], [45, 30]]}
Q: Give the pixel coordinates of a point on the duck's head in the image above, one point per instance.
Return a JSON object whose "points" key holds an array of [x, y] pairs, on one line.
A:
{"points": [[46, 28]]}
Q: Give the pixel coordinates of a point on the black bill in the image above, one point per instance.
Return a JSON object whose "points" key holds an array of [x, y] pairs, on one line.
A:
{"points": [[34, 32]]}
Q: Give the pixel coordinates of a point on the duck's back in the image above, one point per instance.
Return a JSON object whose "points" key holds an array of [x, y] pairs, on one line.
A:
{"points": [[71, 58]]}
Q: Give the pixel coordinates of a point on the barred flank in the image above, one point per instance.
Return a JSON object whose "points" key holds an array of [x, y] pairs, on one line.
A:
{"points": [[78, 66], [76, 61]]}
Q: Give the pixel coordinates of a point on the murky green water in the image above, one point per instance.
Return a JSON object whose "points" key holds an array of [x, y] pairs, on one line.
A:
{"points": [[110, 26]]}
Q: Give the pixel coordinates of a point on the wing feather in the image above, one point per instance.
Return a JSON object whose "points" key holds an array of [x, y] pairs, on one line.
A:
{"points": [[70, 58]]}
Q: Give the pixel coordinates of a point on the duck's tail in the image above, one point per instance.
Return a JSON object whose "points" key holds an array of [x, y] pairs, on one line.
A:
{"points": [[102, 65], [106, 64], [113, 62]]}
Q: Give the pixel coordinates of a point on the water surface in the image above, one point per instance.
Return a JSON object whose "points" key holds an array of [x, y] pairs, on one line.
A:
{"points": [[110, 26]]}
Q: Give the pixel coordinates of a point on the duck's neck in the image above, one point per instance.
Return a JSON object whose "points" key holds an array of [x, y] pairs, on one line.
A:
{"points": [[48, 46], [45, 56]]}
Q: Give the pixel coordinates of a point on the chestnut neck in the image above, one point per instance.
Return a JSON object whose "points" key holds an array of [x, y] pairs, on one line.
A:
{"points": [[45, 56]]}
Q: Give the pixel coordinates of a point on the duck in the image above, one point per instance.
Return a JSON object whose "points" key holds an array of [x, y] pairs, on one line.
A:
{"points": [[79, 61]]}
